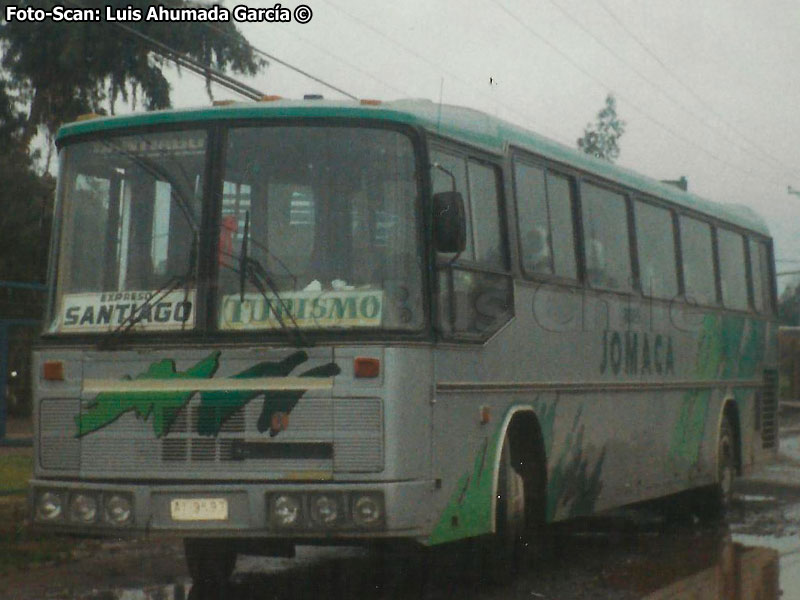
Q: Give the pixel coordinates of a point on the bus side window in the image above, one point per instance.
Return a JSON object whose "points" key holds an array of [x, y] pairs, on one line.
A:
{"points": [[698, 261], [485, 209], [475, 293], [656, 251], [759, 271], [562, 228], [732, 269], [605, 232], [534, 219]]}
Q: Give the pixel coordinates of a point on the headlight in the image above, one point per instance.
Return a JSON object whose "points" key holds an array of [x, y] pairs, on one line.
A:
{"points": [[118, 510], [49, 506], [286, 510], [367, 510], [325, 510], [83, 508]]}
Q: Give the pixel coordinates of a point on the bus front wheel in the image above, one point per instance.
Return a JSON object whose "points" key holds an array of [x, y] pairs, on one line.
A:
{"points": [[504, 551], [209, 560]]}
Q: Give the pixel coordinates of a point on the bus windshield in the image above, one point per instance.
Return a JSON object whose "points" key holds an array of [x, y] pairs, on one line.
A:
{"points": [[129, 219], [330, 214]]}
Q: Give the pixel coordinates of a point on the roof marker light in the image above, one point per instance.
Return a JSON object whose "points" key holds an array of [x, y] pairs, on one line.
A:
{"points": [[270, 98], [222, 102], [370, 102], [87, 117]]}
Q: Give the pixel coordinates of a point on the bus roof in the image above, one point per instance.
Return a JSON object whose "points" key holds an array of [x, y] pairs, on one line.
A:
{"points": [[455, 122]]}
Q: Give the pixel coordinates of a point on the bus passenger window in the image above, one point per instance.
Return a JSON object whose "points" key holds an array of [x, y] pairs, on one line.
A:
{"points": [[559, 200], [484, 201], [732, 269], [655, 243], [759, 270], [534, 220], [605, 231], [698, 261]]}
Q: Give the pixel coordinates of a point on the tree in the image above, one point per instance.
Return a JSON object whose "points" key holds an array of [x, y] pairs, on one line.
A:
{"points": [[602, 138], [26, 199], [60, 71], [52, 72]]}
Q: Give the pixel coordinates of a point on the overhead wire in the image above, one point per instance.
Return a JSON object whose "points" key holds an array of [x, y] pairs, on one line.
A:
{"points": [[516, 18], [437, 68], [688, 88], [284, 63], [771, 162], [244, 41]]}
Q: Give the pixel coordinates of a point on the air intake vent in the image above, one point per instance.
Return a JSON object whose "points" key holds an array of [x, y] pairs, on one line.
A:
{"points": [[769, 410]]}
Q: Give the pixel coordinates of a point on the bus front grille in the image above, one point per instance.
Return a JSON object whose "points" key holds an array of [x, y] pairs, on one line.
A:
{"points": [[335, 435], [769, 410]]}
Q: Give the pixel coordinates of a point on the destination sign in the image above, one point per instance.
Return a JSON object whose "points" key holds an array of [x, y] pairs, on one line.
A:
{"points": [[102, 311], [343, 308]]}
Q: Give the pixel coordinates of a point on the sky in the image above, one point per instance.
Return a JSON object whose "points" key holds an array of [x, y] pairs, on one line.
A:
{"points": [[709, 90]]}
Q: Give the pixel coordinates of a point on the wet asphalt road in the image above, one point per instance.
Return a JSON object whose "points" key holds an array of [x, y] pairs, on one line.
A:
{"points": [[633, 554]]}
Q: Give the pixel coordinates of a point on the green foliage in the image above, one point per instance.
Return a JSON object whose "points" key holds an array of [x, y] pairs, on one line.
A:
{"points": [[789, 306], [51, 72], [26, 198], [63, 70], [602, 138], [16, 468]]}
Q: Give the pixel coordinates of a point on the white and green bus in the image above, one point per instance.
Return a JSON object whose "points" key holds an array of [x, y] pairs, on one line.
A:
{"points": [[314, 322]]}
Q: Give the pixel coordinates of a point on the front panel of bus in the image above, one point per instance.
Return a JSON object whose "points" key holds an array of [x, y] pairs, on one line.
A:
{"points": [[236, 336]]}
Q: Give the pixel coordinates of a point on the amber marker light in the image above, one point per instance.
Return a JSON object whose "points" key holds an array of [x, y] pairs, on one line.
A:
{"points": [[223, 102], [370, 102], [270, 98], [87, 117], [364, 367], [486, 415], [53, 370]]}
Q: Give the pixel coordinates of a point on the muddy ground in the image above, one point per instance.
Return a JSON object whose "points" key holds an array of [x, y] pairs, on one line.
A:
{"points": [[636, 553]]}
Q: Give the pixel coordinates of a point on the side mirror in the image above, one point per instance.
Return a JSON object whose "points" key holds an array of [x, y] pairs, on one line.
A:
{"points": [[449, 222]]}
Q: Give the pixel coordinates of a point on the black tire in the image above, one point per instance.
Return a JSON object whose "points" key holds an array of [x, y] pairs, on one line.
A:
{"points": [[210, 561], [503, 554], [726, 467], [712, 503]]}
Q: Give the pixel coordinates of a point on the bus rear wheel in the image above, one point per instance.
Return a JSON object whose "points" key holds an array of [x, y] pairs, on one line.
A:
{"points": [[712, 503], [726, 467], [209, 560]]}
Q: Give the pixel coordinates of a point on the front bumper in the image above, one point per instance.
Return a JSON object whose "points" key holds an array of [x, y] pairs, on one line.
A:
{"points": [[250, 509]]}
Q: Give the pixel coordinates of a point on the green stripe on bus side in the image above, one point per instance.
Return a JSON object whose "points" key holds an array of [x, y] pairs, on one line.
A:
{"points": [[573, 488], [469, 512], [728, 347]]}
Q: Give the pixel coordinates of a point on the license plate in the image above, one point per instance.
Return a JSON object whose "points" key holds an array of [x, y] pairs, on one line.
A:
{"points": [[199, 509]]}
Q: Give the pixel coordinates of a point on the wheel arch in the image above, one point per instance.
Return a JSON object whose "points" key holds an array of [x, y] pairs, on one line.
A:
{"points": [[524, 431]]}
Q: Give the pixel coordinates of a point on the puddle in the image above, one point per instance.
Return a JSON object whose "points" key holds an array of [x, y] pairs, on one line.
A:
{"points": [[177, 591], [602, 559]]}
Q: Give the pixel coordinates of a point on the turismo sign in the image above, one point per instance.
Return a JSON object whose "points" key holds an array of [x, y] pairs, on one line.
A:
{"points": [[344, 308], [106, 310]]}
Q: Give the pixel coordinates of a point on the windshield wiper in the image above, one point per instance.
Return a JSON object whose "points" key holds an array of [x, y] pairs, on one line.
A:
{"points": [[250, 269], [138, 314]]}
